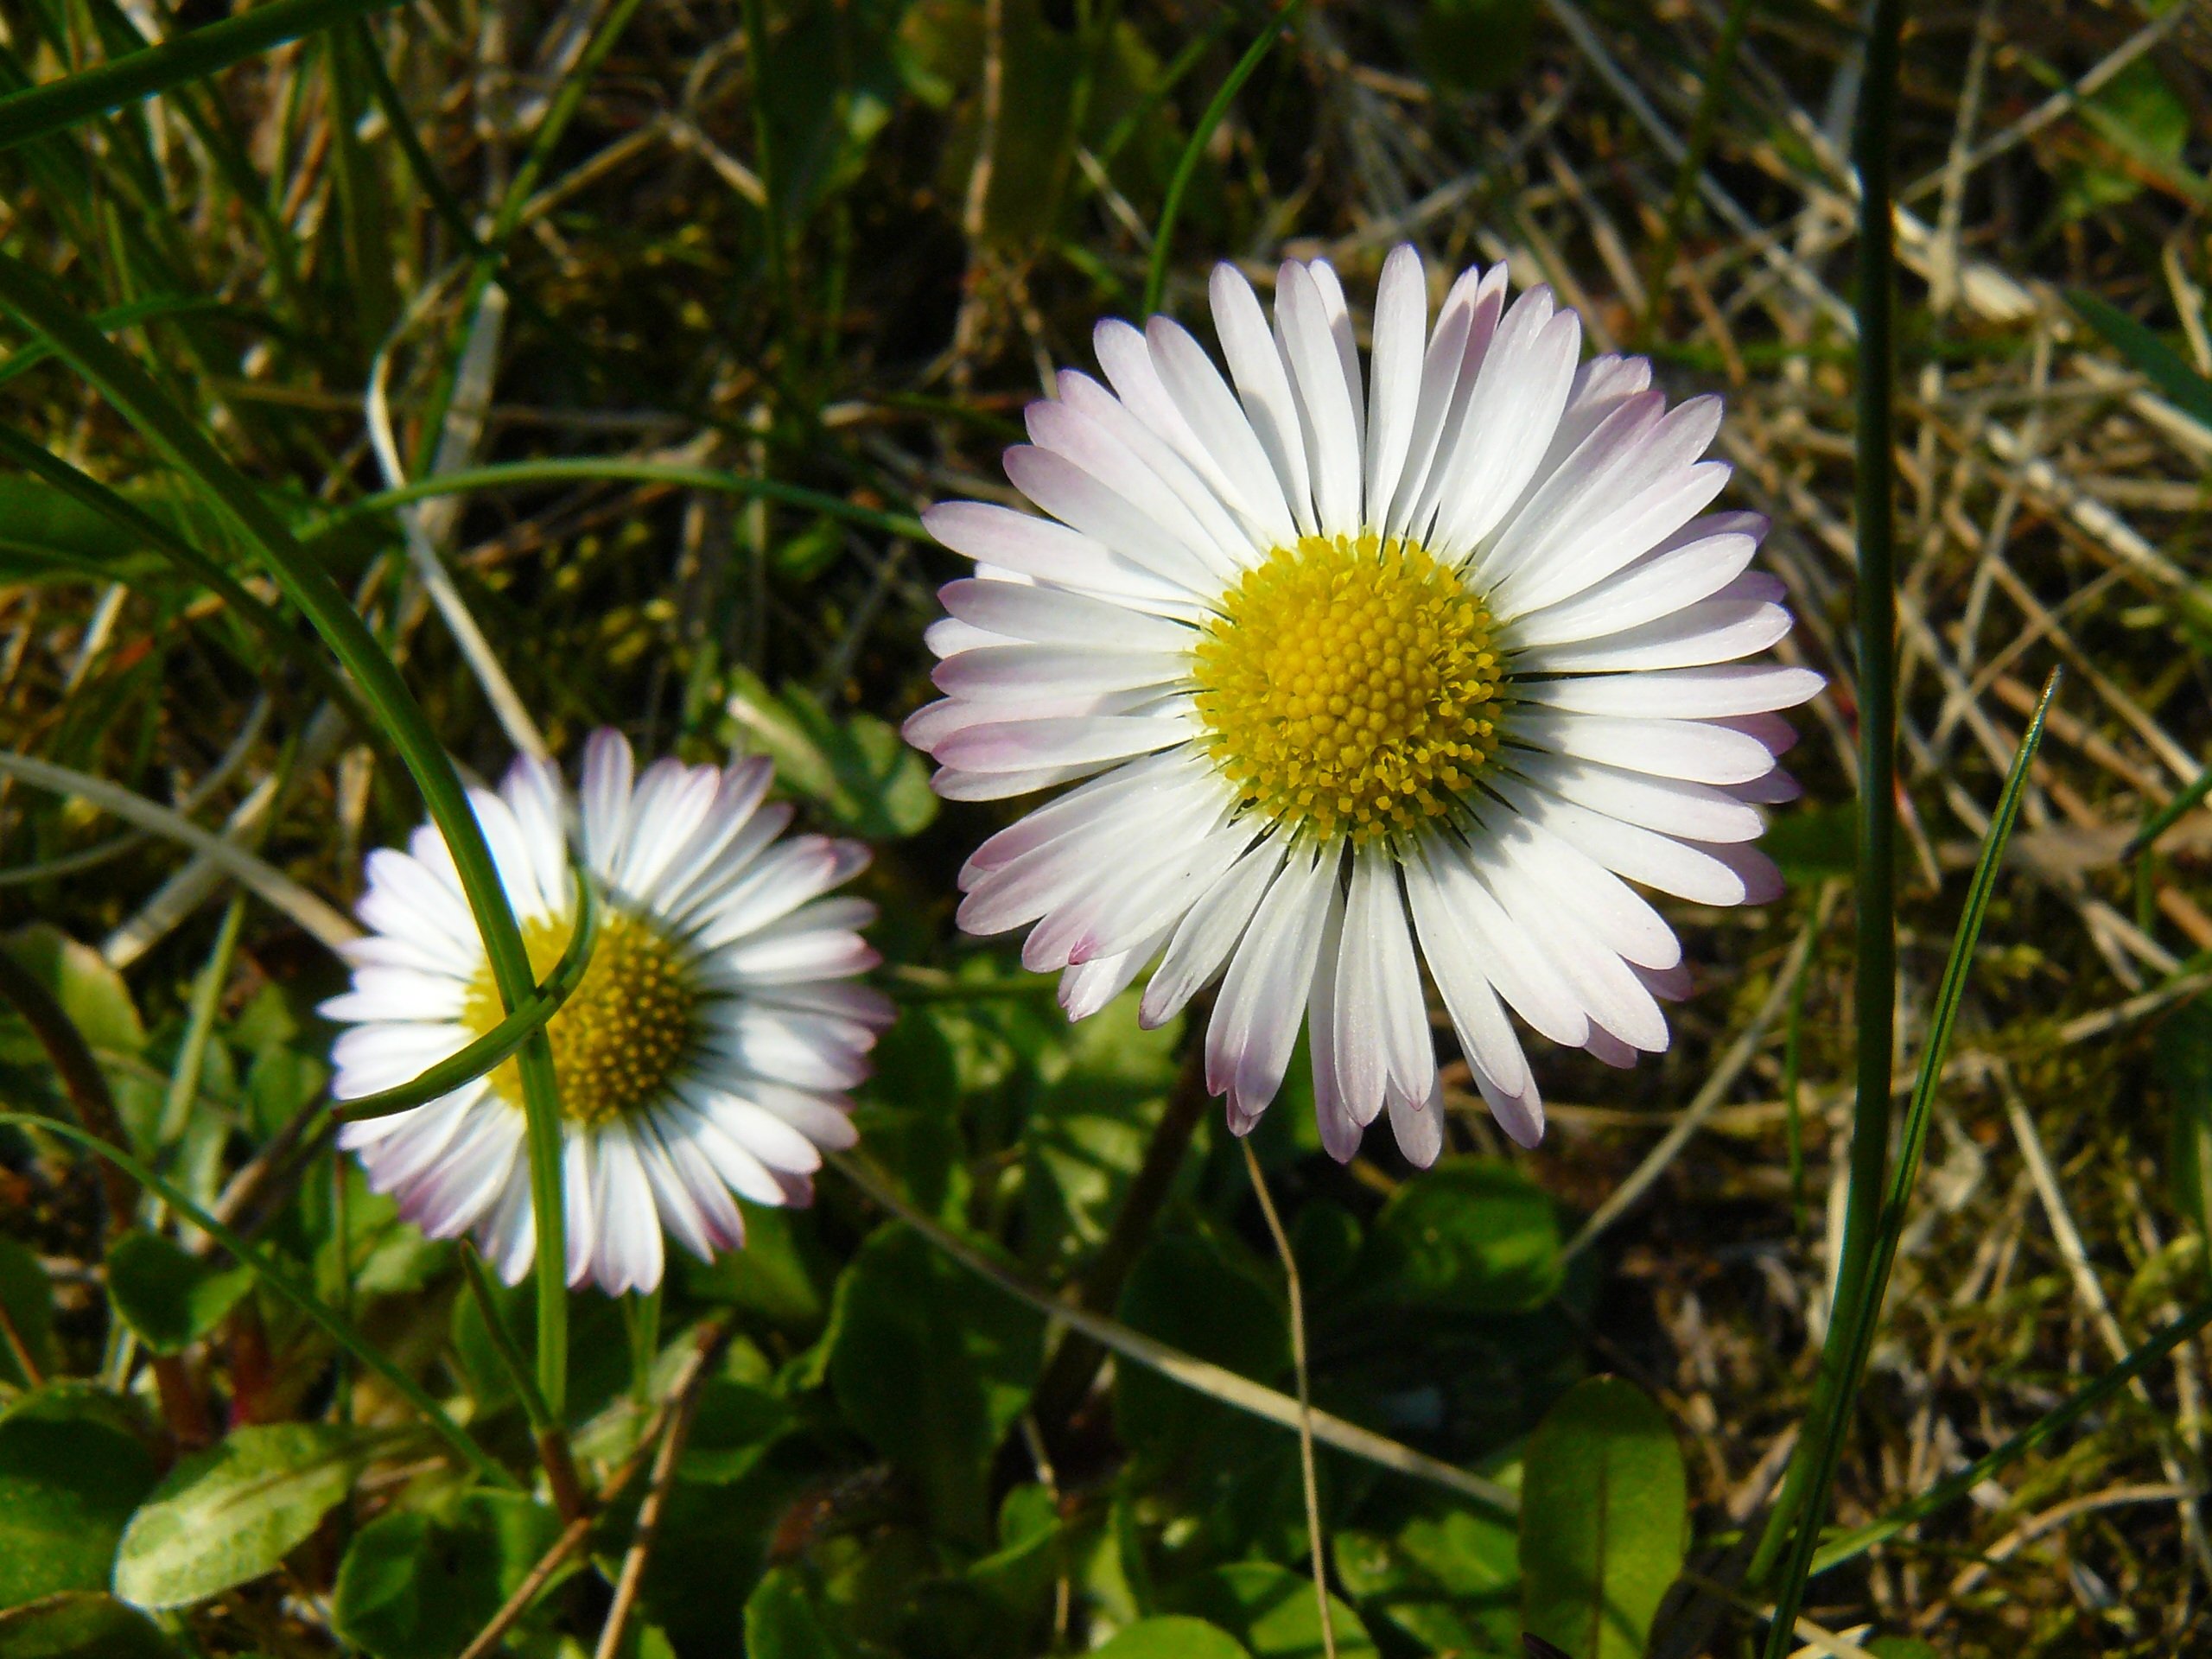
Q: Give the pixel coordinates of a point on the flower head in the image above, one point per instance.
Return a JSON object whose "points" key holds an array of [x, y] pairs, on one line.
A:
{"points": [[704, 1053], [1361, 666]]}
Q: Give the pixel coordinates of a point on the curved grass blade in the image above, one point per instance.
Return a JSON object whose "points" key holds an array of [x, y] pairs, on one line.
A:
{"points": [[90, 491], [1854, 1338], [35, 301], [1155, 278], [277, 1279], [503, 1040], [519, 474], [38, 110], [2168, 815]]}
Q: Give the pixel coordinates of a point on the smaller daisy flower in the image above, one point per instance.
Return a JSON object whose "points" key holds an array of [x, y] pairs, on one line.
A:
{"points": [[705, 1052]]}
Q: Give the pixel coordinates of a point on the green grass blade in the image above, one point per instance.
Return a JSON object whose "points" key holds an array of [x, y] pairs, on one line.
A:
{"points": [[1874, 985], [38, 110], [504, 1039], [520, 474], [1952, 1488], [243, 601], [2166, 817], [1155, 278], [2151, 357], [1851, 1339], [279, 1279], [181, 442]]}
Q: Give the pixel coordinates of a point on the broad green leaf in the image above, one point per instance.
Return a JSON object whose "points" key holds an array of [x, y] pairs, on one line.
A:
{"points": [[733, 1426], [855, 767], [1271, 1610], [783, 1622], [1450, 1579], [1901, 1647], [1188, 1291], [89, 992], [48, 535], [1088, 1131], [1175, 1637], [231, 1513], [933, 1366], [1471, 1235], [1811, 843], [781, 1274], [28, 1297], [1604, 1520], [168, 1296], [2184, 1065], [82, 1624], [416, 1586], [72, 1469]]}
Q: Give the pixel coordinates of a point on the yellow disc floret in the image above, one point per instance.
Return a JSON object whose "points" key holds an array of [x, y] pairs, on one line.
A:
{"points": [[621, 1032], [1348, 686]]}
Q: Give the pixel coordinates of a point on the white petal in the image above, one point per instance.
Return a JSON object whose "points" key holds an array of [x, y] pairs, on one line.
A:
{"points": [[1330, 423], [1232, 540], [1024, 673], [1090, 444], [1643, 593], [1262, 1000], [1128, 527], [604, 791], [1383, 1043], [1051, 552], [1689, 811], [1049, 617], [1401, 326], [1514, 408], [1520, 969], [1210, 931], [1701, 752], [1085, 740], [1715, 631], [1681, 694], [1339, 1124], [1465, 329], [1207, 407], [628, 1256], [1457, 967], [1418, 1122], [1264, 387]]}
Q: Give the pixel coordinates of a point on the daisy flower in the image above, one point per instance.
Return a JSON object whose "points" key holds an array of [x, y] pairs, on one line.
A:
{"points": [[1350, 680], [704, 1053]]}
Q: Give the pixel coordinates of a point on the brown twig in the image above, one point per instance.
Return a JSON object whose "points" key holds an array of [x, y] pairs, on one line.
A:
{"points": [[649, 1514], [705, 1347]]}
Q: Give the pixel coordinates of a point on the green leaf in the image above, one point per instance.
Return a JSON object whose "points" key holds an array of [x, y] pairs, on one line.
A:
{"points": [[732, 1428], [1812, 842], [89, 992], [80, 1625], [231, 1513], [2183, 1057], [856, 767], [1471, 1235], [933, 1366], [783, 1622], [1271, 1610], [781, 1274], [1901, 1647], [72, 1469], [1191, 1292], [1176, 1637], [419, 1587], [1450, 1579], [1604, 1520], [1089, 1129], [2149, 355], [28, 1297], [169, 1297]]}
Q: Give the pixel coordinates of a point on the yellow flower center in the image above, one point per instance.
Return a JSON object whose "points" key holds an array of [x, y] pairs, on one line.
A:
{"points": [[1348, 686], [622, 1031]]}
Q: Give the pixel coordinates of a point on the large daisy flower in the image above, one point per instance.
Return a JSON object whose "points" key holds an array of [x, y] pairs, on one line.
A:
{"points": [[1353, 679], [705, 1052]]}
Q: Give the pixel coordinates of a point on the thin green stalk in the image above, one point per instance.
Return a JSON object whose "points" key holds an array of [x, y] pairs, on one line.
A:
{"points": [[1851, 1339], [553, 1449], [2036, 1434], [1155, 279], [504, 1039], [50, 108], [280, 1279], [520, 474], [1875, 983], [181, 442], [765, 160], [200, 1023]]}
